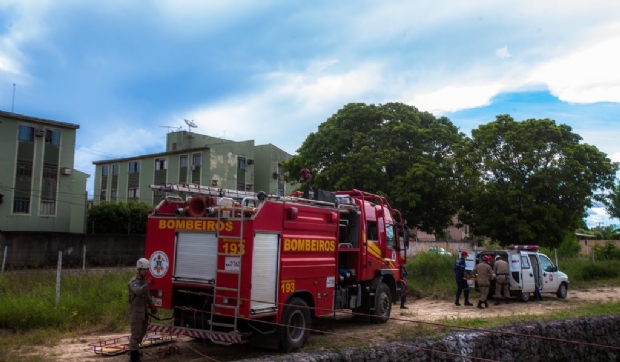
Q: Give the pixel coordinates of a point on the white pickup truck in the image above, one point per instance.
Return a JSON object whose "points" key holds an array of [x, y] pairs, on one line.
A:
{"points": [[527, 269]]}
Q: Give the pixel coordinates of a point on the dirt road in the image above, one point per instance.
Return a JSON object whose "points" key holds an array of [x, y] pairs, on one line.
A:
{"points": [[419, 310]]}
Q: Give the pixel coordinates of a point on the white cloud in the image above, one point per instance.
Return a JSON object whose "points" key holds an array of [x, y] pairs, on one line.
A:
{"points": [[503, 53], [587, 75], [454, 98], [599, 217], [289, 107]]}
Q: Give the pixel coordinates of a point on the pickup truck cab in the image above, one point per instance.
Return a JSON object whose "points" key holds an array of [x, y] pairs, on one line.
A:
{"points": [[528, 268]]}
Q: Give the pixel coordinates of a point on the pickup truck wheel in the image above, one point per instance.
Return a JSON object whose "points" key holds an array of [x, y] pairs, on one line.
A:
{"points": [[562, 291], [296, 324], [383, 304], [524, 297]]}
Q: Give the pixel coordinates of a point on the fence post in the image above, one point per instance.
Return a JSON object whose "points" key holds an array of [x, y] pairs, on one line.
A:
{"points": [[58, 269], [4, 257], [592, 253], [84, 257], [555, 251]]}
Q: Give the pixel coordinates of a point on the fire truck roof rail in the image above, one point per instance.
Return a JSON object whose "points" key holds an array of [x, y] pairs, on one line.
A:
{"points": [[191, 189]]}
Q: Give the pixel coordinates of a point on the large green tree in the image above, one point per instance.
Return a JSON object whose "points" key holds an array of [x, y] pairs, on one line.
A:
{"points": [[393, 150], [533, 180], [111, 217]]}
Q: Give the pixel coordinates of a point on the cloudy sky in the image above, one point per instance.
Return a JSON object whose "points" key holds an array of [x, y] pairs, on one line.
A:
{"points": [[272, 71]]}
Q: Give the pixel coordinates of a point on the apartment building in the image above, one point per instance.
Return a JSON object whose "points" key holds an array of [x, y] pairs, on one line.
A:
{"points": [[39, 188], [192, 158]]}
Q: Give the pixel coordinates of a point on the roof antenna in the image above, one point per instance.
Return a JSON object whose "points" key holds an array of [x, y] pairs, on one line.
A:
{"points": [[190, 125]]}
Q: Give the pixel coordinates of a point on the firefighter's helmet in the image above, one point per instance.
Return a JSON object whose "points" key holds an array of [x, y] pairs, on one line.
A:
{"points": [[487, 258], [498, 257], [143, 263]]}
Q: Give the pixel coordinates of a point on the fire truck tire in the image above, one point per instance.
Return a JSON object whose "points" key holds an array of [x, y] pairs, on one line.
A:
{"points": [[562, 291], [383, 304], [296, 324], [524, 297]]}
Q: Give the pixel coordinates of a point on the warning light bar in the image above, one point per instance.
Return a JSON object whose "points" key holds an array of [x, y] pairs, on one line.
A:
{"points": [[523, 247]]}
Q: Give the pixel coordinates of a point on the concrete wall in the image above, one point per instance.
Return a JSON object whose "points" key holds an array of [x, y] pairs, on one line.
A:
{"points": [[492, 346], [586, 245], [36, 249]]}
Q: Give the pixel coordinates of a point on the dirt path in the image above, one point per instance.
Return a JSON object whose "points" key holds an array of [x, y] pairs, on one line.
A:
{"points": [[420, 310]]}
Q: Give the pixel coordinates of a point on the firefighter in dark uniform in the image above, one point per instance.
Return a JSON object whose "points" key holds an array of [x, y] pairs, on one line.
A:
{"points": [[502, 283], [403, 291], [139, 302], [461, 282], [483, 273]]}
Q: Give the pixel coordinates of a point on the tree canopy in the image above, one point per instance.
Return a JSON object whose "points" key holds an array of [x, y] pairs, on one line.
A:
{"points": [[392, 150], [532, 181], [111, 217]]}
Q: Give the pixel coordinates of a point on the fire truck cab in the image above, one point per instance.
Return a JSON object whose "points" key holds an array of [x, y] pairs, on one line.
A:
{"points": [[527, 269], [239, 267]]}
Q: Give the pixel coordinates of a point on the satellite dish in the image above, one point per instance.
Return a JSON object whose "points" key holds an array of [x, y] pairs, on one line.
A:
{"points": [[190, 123]]}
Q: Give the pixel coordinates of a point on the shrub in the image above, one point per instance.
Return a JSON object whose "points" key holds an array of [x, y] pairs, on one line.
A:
{"points": [[609, 251]]}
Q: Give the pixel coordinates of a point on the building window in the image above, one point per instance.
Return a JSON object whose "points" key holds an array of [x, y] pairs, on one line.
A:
{"points": [[197, 159], [280, 192], [104, 170], [115, 168], [26, 133], [184, 160], [160, 164], [21, 205], [241, 163], [24, 168], [48, 207], [104, 194], [52, 137], [133, 194], [134, 167], [113, 195], [50, 171]]}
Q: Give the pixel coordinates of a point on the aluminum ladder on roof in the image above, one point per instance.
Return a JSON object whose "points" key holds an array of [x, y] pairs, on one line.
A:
{"points": [[220, 216]]}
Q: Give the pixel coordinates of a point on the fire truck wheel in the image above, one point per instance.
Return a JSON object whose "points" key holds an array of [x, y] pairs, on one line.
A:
{"points": [[296, 324], [562, 291], [524, 297], [383, 304]]}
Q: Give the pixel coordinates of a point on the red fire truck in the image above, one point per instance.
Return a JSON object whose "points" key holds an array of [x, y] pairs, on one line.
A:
{"points": [[240, 267]]}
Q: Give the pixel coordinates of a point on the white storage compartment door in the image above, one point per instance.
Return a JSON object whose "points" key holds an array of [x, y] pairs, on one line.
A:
{"points": [[196, 257], [265, 273]]}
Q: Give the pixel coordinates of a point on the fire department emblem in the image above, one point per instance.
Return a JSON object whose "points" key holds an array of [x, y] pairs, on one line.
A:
{"points": [[159, 264]]}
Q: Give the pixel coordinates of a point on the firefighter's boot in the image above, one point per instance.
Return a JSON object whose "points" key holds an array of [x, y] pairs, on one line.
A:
{"points": [[467, 303], [402, 306], [457, 303], [486, 304], [496, 302], [134, 356], [480, 305]]}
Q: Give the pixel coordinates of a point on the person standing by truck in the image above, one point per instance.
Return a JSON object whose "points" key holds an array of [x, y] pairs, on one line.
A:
{"points": [[483, 274], [502, 284], [139, 301], [461, 283]]}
